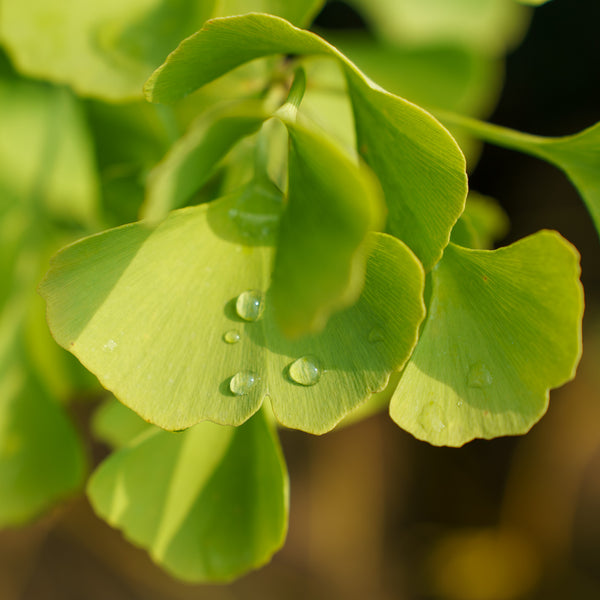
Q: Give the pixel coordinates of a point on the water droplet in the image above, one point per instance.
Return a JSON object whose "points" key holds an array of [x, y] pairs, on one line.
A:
{"points": [[459, 403], [241, 383], [232, 336], [376, 335], [249, 305], [306, 370], [479, 376], [110, 345]]}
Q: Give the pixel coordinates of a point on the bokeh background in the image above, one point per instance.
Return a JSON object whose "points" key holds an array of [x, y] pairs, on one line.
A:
{"points": [[375, 513]]}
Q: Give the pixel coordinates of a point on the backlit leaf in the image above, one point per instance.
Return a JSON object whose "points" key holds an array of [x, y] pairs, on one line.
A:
{"points": [[504, 327], [208, 504]]}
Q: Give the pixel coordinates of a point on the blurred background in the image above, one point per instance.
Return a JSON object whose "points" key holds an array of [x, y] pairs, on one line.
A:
{"points": [[374, 512]]}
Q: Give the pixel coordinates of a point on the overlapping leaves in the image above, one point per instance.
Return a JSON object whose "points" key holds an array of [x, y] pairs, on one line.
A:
{"points": [[181, 309], [361, 345], [419, 165]]}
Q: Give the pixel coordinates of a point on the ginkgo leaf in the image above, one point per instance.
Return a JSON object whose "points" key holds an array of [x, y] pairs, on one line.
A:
{"points": [[418, 163], [436, 76], [171, 321], [208, 504], [503, 328], [320, 260], [578, 155]]}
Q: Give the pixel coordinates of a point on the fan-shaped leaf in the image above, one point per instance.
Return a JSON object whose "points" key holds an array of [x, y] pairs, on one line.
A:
{"points": [[504, 326], [162, 318], [208, 504]]}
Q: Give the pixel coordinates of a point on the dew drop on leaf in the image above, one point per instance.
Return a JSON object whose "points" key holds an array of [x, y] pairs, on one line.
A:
{"points": [[479, 376], [306, 370], [376, 335], [232, 336], [241, 383], [249, 305]]}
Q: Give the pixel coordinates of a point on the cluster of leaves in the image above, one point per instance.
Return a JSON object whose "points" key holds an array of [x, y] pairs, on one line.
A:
{"points": [[325, 245]]}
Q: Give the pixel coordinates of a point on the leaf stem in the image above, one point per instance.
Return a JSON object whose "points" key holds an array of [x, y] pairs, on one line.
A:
{"points": [[496, 134]]}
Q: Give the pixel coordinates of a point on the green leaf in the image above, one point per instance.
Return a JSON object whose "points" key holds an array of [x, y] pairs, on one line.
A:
{"points": [[117, 425], [192, 160], [436, 76], [46, 155], [320, 261], [578, 156], [421, 169], [208, 504], [149, 311], [504, 326]]}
